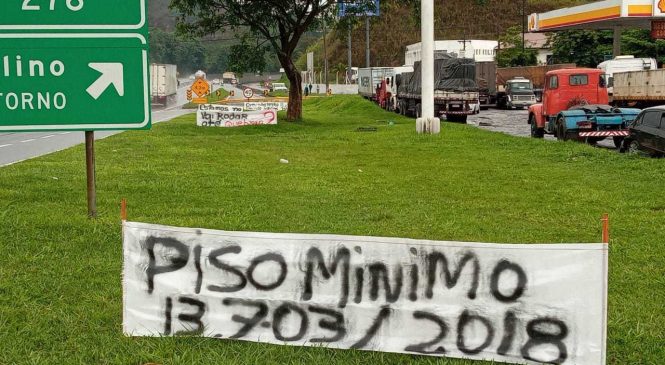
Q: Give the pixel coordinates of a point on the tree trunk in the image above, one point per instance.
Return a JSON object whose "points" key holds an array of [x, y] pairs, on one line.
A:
{"points": [[294, 111]]}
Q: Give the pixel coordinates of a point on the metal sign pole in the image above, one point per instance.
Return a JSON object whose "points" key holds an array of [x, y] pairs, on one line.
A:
{"points": [[367, 61], [349, 71], [90, 172]]}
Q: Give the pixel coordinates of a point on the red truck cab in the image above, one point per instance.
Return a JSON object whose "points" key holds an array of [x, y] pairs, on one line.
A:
{"points": [[576, 106]]}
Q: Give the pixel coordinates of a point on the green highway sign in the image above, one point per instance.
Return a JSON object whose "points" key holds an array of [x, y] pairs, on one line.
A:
{"points": [[63, 81], [74, 65], [72, 15]]}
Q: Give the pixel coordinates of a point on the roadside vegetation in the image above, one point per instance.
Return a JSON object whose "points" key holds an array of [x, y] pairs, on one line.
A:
{"points": [[60, 273]]}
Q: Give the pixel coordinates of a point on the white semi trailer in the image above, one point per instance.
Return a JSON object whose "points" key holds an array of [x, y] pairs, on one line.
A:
{"points": [[163, 84]]}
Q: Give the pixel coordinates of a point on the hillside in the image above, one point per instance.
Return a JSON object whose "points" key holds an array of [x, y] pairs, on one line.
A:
{"points": [[159, 15], [398, 26]]}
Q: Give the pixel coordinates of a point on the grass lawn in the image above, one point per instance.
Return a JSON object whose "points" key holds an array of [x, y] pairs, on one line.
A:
{"points": [[278, 94], [60, 273]]}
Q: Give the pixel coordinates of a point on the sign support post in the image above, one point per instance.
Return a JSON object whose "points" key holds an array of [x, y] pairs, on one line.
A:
{"points": [[90, 173], [367, 59]]}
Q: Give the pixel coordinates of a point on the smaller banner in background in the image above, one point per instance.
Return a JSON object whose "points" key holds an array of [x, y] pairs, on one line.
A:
{"points": [[257, 106]]}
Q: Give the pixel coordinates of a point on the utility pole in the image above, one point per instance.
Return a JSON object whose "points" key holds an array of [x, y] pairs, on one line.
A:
{"points": [[367, 41], [427, 123], [523, 31], [349, 71], [325, 55]]}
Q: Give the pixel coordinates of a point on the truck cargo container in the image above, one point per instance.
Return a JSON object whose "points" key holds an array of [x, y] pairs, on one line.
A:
{"points": [[386, 93], [369, 80], [641, 89], [163, 84]]}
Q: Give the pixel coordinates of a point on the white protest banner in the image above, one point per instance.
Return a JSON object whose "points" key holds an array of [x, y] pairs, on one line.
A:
{"points": [[256, 106], [523, 304], [218, 118]]}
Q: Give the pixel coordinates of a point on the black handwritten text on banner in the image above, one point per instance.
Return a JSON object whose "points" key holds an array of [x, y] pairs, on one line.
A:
{"points": [[509, 303]]}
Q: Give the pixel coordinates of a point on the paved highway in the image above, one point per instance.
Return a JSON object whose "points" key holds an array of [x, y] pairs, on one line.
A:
{"points": [[16, 147]]}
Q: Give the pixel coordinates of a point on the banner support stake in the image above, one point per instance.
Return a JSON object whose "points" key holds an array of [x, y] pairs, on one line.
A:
{"points": [[606, 228], [123, 210]]}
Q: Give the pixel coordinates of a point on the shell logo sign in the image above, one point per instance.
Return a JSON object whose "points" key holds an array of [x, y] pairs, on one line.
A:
{"points": [[661, 6], [533, 22]]}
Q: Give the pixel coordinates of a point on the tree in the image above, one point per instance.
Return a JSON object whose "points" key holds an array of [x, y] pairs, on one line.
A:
{"points": [[638, 42], [586, 48], [241, 61], [278, 23], [515, 53]]}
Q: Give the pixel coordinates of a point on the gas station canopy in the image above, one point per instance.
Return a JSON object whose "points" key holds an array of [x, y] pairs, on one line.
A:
{"points": [[609, 14]]}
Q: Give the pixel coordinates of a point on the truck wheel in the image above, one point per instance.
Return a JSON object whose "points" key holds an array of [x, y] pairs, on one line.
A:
{"points": [[535, 131], [560, 132], [618, 141]]}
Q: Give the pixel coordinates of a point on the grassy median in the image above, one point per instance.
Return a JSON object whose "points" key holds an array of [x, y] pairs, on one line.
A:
{"points": [[60, 273]]}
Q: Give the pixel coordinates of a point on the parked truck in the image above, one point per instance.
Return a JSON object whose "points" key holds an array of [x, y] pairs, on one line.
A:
{"points": [[229, 78], [455, 89], [576, 107], [370, 78], [386, 92], [624, 64], [641, 89], [163, 84], [512, 87]]}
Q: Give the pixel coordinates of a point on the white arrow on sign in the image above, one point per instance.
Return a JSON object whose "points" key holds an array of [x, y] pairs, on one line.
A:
{"points": [[112, 74]]}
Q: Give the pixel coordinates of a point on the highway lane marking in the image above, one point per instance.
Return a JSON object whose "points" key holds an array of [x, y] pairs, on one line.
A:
{"points": [[63, 133], [28, 140], [5, 145], [49, 136]]}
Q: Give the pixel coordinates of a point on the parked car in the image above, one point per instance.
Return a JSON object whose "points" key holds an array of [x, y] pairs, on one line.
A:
{"points": [[647, 133]]}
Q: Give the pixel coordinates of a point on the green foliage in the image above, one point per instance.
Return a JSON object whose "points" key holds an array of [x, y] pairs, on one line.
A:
{"points": [[586, 48], [638, 42], [217, 59], [515, 54], [241, 61], [61, 273], [166, 47]]}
